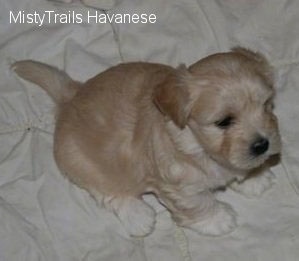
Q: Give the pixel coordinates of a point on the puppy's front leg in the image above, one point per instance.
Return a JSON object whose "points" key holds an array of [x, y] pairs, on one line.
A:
{"points": [[254, 186], [201, 212]]}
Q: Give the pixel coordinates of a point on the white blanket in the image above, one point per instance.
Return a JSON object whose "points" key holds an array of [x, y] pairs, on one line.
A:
{"points": [[45, 217]]}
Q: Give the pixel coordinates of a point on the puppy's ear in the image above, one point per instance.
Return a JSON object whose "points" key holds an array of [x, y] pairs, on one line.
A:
{"points": [[172, 97], [262, 65]]}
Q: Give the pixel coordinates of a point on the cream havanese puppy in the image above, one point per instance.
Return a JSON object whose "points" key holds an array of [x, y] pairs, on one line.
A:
{"points": [[179, 133]]}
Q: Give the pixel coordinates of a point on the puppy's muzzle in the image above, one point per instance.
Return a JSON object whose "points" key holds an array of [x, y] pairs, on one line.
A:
{"points": [[259, 146]]}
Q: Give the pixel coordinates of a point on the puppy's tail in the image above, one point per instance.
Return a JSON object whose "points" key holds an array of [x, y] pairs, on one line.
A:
{"points": [[55, 82]]}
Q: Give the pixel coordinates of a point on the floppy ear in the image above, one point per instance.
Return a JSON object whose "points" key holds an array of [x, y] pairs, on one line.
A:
{"points": [[172, 97], [262, 65]]}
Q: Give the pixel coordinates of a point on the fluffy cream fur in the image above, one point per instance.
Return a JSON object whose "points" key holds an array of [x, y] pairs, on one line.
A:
{"points": [[178, 133]]}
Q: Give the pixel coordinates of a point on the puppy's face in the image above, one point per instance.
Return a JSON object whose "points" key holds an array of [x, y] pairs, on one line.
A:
{"points": [[230, 109], [234, 122]]}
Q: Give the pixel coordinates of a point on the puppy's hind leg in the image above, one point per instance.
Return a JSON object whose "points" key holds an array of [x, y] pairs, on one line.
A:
{"points": [[137, 217]]}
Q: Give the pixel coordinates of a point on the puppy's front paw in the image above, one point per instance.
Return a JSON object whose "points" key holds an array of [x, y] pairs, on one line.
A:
{"points": [[137, 217], [254, 186], [222, 220]]}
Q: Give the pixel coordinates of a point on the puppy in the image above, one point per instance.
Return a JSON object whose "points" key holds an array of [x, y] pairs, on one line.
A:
{"points": [[177, 133]]}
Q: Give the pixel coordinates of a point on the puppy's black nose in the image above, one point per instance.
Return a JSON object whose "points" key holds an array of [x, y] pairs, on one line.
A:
{"points": [[259, 147]]}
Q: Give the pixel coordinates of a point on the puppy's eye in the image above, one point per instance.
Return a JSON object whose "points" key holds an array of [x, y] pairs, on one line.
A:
{"points": [[225, 123], [268, 105]]}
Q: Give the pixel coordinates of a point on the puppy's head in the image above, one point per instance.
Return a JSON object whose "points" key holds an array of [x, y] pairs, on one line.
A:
{"points": [[226, 100]]}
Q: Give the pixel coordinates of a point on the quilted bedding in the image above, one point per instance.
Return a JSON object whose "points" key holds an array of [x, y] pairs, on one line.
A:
{"points": [[45, 217]]}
